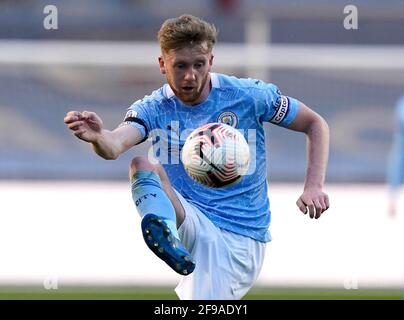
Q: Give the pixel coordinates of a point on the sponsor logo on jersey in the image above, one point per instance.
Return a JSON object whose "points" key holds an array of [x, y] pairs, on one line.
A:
{"points": [[282, 106], [229, 118]]}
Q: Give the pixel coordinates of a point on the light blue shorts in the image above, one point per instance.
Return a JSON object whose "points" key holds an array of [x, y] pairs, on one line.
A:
{"points": [[227, 264]]}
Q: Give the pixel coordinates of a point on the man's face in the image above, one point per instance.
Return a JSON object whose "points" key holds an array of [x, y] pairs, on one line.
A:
{"points": [[187, 72]]}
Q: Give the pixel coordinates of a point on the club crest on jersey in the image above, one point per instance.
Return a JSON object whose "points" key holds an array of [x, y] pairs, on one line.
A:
{"points": [[229, 118]]}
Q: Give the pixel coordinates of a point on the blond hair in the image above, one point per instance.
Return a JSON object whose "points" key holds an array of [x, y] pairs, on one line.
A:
{"points": [[186, 30]]}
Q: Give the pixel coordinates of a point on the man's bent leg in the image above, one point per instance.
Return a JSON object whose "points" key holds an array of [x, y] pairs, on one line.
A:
{"points": [[158, 216]]}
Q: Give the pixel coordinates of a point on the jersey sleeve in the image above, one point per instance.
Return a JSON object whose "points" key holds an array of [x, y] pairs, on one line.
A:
{"points": [[137, 116], [275, 107]]}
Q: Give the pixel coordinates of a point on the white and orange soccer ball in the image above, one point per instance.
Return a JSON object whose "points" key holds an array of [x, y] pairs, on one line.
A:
{"points": [[216, 155]]}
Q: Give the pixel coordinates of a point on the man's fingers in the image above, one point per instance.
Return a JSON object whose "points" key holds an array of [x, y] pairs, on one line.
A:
{"points": [[312, 210], [75, 125], [72, 116], [79, 132], [301, 205], [320, 208], [327, 202], [307, 207], [87, 115], [315, 203]]}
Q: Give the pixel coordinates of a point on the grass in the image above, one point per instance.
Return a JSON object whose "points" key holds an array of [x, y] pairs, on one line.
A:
{"points": [[164, 293]]}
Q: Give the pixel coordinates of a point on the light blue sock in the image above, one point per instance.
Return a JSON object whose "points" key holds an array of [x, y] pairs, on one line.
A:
{"points": [[149, 197]]}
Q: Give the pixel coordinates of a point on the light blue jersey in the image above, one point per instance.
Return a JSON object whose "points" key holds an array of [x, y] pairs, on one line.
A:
{"points": [[245, 104]]}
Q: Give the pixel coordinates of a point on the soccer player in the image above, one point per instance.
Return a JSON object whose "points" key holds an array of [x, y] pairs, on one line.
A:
{"points": [[396, 160], [216, 238]]}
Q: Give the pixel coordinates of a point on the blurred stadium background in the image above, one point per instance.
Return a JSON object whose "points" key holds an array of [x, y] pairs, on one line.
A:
{"points": [[67, 220]]}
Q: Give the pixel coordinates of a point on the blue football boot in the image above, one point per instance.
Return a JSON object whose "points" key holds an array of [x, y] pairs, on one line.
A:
{"points": [[159, 239]]}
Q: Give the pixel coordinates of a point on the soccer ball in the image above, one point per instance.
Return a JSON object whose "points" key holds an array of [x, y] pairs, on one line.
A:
{"points": [[216, 155]]}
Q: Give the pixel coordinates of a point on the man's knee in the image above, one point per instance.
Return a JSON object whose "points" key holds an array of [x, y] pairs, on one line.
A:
{"points": [[141, 163]]}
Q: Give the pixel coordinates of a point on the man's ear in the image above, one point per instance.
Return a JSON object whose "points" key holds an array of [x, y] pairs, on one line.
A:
{"points": [[211, 60], [162, 65]]}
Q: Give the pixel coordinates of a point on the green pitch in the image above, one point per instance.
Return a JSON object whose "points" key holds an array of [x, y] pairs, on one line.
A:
{"points": [[164, 293]]}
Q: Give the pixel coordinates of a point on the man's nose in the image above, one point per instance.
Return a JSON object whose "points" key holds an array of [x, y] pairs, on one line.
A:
{"points": [[189, 74]]}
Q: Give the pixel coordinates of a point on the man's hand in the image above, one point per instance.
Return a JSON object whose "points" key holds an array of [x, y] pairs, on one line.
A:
{"points": [[88, 127], [313, 200], [85, 125]]}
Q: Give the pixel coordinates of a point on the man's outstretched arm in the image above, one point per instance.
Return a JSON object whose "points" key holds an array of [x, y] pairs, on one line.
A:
{"points": [[88, 127], [313, 199]]}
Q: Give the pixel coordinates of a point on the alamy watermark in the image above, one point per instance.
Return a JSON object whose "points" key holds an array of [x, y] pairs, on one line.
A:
{"points": [[166, 146], [351, 283], [50, 22], [351, 21], [51, 283]]}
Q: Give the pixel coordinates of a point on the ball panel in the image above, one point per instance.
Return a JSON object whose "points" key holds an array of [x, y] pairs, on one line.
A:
{"points": [[216, 155]]}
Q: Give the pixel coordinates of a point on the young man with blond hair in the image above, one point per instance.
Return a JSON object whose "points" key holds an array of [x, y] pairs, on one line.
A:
{"points": [[214, 237]]}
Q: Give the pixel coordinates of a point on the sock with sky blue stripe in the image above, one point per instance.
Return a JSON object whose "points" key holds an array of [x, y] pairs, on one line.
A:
{"points": [[149, 197]]}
